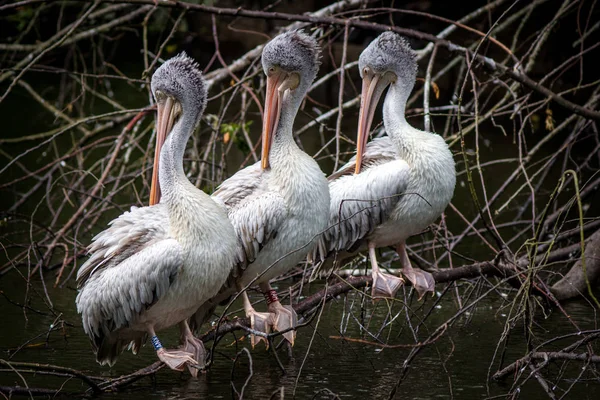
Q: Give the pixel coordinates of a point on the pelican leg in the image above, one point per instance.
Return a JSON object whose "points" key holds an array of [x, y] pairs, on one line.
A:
{"points": [[422, 281], [384, 285], [283, 317], [174, 359], [260, 322], [194, 346]]}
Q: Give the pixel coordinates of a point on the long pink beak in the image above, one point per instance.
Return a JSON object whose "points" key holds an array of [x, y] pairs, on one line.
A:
{"points": [[164, 124], [372, 89], [272, 113]]}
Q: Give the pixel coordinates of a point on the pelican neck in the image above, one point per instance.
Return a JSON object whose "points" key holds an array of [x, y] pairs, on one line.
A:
{"points": [[394, 120], [283, 142], [171, 174]]}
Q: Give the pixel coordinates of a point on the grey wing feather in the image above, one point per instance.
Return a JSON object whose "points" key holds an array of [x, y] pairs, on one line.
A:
{"points": [[126, 235], [256, 220], [254, 211], [359, 203], [378, 151], [113, 297], [240, 186]]}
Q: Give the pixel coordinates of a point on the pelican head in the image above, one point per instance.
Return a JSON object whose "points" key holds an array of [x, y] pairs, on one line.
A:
{"points": [[389, 59], [291, 62], [179, 90]]}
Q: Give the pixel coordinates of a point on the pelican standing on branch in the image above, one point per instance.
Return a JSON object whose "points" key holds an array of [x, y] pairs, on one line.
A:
{"points": [[280, 204], [154, 266], [395, 186]]}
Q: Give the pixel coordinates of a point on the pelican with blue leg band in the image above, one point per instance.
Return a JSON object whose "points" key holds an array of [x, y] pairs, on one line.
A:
{"points": [[156, 343]]}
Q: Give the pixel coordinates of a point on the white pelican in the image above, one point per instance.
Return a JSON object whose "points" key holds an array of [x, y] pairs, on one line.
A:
{"points": [[278, 205], [154, 266], [405, 180]]}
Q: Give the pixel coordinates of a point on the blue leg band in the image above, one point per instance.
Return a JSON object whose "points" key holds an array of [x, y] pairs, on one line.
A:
{"points": [[156, 343]]}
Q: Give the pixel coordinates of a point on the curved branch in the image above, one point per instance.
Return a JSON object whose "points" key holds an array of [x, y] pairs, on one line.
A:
{"points": [[496, 268], [544, 355], [54, 368]]}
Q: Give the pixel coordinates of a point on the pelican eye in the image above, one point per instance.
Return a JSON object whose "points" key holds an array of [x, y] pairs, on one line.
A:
{"points": [[271, 70]]}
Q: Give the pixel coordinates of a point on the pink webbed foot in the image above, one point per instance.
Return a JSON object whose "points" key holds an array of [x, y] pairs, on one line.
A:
{"points": [[195, 346], [422, 281], [385, 285], [259, 322], [284, 318], [176, 359]]}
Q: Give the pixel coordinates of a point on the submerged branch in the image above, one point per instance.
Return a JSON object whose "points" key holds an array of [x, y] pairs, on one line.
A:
{"points": [[546, 356]]}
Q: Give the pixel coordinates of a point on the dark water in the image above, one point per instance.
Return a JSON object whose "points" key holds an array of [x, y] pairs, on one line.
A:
{"points": [[456, 366]]}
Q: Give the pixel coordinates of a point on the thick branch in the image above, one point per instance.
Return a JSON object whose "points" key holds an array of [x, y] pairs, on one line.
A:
{"points": [[574, 283], [496, 268], [543, 355]]}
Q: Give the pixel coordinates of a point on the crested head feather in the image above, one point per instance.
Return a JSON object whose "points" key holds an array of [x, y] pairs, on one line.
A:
{"points": [[390, 52], [293, 51], [181, 78]]}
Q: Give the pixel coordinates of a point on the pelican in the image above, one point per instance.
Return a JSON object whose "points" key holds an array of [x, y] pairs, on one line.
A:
{"points": [[279, 205], [405, 180], [154, 266]]}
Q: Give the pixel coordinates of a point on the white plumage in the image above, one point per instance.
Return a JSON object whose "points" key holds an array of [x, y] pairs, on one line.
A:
{"points": [[155, 265], [279, 205], [360, 203], [281, 213], [407, 178]]}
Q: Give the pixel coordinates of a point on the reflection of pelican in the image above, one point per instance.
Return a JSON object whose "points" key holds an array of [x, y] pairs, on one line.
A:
{"points": [[154, 266], [279, 204], [409, 176]]}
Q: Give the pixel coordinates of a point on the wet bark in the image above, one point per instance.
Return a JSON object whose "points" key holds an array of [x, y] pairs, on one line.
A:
{"points": [[574, 283]]}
